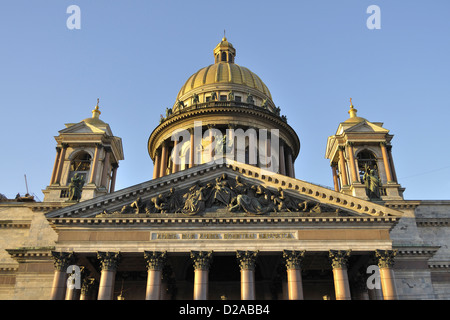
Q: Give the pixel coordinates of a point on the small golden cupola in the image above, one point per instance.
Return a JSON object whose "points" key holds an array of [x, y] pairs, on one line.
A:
{"points": [[224, 52]]}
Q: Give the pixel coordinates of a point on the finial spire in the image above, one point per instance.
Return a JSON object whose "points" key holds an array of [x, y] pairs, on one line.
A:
{"points": [[96, 112], [224, 37], [352, 111]]}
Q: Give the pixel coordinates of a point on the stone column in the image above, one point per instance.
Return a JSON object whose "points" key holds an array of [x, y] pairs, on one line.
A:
{"points": [[106, 165], [156, 165], [202, 261], [175, 157], [387, 167], [339, 264], [192, 148], [355, 175], [62, 260], [391, 162], [281, 158], [61, 162], [385, 263], [86, 288], [95, 163], [55, 166], [155, 262], [113, 178], [293, 261], [164, 158], [335, 177], [342, 167], [290, 164], [247, 262], [109, 262]]}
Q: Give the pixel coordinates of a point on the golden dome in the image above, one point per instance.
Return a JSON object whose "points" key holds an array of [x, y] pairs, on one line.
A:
{"points": [[224, 71]]}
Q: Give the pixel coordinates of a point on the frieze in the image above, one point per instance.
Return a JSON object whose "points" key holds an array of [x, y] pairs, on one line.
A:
{"points": [[223, 235]]}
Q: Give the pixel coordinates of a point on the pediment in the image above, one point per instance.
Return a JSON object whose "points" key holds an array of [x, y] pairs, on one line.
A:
{"points": [[224, 190], [83, 127], [366, 126]]}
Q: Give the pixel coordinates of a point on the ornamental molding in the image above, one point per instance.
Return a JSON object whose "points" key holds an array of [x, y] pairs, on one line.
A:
{"points": [[432, 222]]}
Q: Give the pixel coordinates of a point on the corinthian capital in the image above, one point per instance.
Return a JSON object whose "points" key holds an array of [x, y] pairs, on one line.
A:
{"points": [[293, 259], [109, 260], [201, 259], [339, 258], [247, 259], [155, 260], [62, 260], [385, 258]]}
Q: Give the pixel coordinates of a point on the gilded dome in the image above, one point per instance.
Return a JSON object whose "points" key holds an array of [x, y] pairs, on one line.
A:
{"points": [[224, 74]]}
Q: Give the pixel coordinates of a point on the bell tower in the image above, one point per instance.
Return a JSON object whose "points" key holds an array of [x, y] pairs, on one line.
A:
{"points": [[87, 158], [361, 159]]}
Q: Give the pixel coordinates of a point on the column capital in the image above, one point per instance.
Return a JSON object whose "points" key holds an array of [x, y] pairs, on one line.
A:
{"points": [[64, 145], [385, 258], [293, 258], [62, 260], [109, 261], [247, 259], [339, 258], [155, 260], [201, 259]]}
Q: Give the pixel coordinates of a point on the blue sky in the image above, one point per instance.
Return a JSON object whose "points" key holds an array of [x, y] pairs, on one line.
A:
{"points": [[313, 56]]}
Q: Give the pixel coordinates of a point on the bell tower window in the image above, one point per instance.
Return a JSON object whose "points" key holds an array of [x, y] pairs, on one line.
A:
{"points": [[366, 161], [81, 165]]}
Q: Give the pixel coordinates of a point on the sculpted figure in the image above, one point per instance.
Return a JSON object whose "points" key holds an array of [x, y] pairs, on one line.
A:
{"points": [[284, 202], [75, 187], [372, 183], [159, 203], [250, 98], [173, 202], [221, 193], [195, 98], [136, 205], [231, 96], [194, 201]]}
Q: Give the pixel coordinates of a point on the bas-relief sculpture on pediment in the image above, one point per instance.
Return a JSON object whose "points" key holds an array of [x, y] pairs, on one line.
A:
{"points": [[227, 196]]}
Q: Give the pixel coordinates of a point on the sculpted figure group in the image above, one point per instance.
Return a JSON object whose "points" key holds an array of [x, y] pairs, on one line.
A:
{"points": [[235, 195]]}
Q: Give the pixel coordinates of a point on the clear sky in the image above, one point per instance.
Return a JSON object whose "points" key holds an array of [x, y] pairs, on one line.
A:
{"points": [[313, 56]]}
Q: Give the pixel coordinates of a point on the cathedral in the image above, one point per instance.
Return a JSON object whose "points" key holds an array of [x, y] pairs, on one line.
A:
{"points": [[225, 216]]}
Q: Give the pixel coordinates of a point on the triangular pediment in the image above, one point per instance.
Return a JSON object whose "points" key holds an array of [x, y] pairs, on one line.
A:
{"points": [[83, 127], [366, 126], [224, 190]]}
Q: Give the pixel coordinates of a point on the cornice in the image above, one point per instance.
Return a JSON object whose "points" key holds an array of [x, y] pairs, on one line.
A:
{"points": [[202, 221], [15, 224], [432, 222]]}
